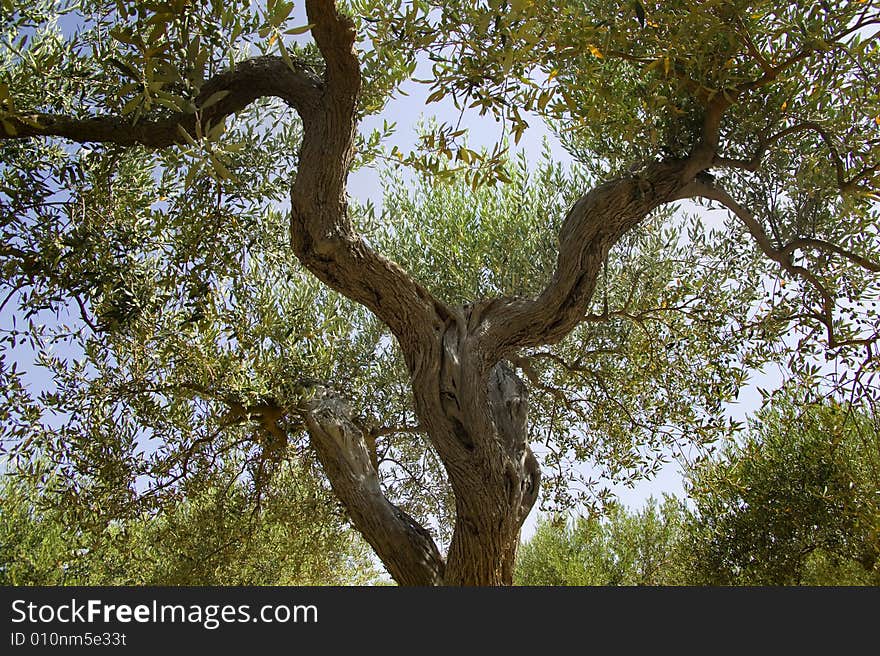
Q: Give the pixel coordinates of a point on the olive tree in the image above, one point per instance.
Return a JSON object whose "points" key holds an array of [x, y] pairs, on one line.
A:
{"points": [[213, 537], [205, 123], [638, 547], [793, 504]]}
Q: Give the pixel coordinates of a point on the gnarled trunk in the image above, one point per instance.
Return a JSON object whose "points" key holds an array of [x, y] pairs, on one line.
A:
{"points": [[475, 416], [482, 413], [497, 493]]}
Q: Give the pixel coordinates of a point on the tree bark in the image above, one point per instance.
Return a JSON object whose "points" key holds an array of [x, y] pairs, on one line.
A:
{"points": [[476, 416], [406, 549], [495, 497]]}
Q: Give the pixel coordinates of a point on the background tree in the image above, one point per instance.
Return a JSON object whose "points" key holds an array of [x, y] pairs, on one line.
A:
{"points": [[207, 335], [796, 503], [622, 548], [216, 537]]}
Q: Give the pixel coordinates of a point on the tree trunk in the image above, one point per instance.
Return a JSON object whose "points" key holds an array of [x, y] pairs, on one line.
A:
{"points": [[494, 475], [476, 416]]}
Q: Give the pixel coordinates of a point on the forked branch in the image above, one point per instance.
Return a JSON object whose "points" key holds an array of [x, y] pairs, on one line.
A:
{"points": [[784, 256]]}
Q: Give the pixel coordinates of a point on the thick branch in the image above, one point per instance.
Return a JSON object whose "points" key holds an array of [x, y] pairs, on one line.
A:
{"points": [[321, 232], [322, 235], [251, 79], [405, 547], [335, 35], [593, 225], [590, 229]]}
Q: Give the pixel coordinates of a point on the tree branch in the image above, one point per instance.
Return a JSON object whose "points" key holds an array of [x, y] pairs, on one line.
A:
{"points": [[335, 35], [405, 547], [772, 71], [593, 225], [250, 80], [322, 235], [753, 50], [754, 163], [782, 256], [828, 247]]}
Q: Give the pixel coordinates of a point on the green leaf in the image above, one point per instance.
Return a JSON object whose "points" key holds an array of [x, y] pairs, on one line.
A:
{"points": [[132, 105], [216, 131], [214, 98], [285, 55], [302, 29], [220, 168], [186, 136], [435, 96]]}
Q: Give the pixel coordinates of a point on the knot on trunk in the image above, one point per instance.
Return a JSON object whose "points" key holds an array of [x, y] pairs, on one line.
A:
{"points": [[329, 415], [509, 404], [509, 401]]}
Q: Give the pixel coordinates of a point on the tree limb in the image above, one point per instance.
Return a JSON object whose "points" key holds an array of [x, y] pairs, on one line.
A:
{"points": [[593, 225], [754, 163], [828, 247], [322, 235], [248, 81], [782, 256], [405, 547]]}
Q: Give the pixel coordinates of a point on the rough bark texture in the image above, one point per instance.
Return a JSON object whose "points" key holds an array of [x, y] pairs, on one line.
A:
{"points": [[406, 548], [472, 406], [251, 79], [475, 412]]}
